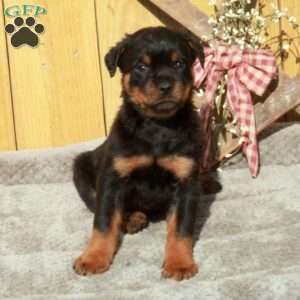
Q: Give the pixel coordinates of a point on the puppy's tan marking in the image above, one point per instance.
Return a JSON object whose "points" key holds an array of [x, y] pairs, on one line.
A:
{"points": [[174, 56], [101, 248], [125, 82], [179, 263], [180, 166], [187, 92], [138, 96], [182, 92], [152, 92], [126, 165], [146, 59]]}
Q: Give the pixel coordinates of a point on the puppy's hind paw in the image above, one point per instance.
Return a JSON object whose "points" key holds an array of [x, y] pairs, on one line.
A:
{"points": [[135, 222]]}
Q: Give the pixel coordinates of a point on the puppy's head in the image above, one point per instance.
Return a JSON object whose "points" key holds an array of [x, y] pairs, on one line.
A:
{"points": [[156, 65]]}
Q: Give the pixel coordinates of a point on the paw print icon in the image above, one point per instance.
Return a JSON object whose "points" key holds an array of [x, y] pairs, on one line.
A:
{"points": [[24, 32]]}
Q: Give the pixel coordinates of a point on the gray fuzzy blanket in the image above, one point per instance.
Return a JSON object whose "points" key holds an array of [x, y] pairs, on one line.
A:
{"points": [[249, 245]]}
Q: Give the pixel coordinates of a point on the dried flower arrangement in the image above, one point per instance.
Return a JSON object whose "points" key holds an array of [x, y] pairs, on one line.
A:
{"points": [[238, 22]]}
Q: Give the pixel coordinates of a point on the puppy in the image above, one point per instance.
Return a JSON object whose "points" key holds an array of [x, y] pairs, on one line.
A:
{"points": [[149, 164]]}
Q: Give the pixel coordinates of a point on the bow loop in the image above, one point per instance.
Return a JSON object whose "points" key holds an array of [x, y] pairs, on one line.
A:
{"points": [[256, 80], [228, 58]]}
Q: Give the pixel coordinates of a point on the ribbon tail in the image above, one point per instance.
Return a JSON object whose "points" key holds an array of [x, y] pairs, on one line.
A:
{"points": [[212, 82], [239, 99], [250, 149]]}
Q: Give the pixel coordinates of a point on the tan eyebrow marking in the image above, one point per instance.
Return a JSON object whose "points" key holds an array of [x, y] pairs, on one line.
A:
{"points": [[126, 165], [180, 166], [174, 56], [146, 59]]}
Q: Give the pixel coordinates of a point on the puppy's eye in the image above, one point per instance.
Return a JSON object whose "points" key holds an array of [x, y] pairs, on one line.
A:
{"points": [[141, 67], [178, 64]]}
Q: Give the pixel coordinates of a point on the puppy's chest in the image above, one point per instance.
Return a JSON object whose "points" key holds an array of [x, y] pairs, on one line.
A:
{"points": [[157, 149], [179, 166]]}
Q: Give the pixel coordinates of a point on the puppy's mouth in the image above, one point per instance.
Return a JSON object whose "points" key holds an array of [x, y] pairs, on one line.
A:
{"points": [[165, 106]]}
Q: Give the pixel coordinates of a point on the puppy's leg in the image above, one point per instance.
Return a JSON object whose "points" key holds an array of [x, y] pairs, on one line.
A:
{"points": [[103, 244], [179, 263], [84, 177]]}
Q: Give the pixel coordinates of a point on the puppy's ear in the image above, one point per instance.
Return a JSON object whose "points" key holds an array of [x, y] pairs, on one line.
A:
{"points": [[113, 57], [196, 45]]}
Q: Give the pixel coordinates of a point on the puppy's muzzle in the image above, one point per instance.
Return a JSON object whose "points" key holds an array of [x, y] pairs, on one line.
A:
{"points": [[166, 105]]}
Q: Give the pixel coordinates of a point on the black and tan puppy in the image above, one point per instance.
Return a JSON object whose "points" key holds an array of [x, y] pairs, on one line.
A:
{"points": [[150, 162]]}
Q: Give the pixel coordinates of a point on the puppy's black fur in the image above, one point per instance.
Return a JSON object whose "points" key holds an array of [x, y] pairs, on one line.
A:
{"points": [[150, 161]]}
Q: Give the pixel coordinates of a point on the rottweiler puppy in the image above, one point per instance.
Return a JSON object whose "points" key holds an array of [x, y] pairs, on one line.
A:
{"points": [[149, 164]]}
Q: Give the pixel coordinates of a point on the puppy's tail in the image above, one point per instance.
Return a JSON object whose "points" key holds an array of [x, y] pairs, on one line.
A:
{"points": [[84, 177]]}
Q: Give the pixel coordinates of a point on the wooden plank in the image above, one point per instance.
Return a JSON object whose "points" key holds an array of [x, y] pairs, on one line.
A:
{"points": [[293, 8], [203, 6], [56, 86], [7, 135], [187, 14], [290, 65]]}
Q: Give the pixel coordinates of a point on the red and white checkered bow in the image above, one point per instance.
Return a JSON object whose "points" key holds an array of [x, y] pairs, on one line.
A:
{"points": [[247, 71]]}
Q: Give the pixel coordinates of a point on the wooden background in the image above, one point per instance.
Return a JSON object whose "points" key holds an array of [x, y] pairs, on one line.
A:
{"points": [[60, 92]]}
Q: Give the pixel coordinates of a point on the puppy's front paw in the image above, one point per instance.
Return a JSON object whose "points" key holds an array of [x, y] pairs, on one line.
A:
{"points": [[179, 270], [91, 264]]}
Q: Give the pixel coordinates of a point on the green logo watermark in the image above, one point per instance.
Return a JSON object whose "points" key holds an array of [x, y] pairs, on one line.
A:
{"points": [[25, 10]]}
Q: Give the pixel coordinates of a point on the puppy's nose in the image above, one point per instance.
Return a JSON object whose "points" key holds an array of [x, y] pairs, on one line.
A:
{"points": [[165, 86]]}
